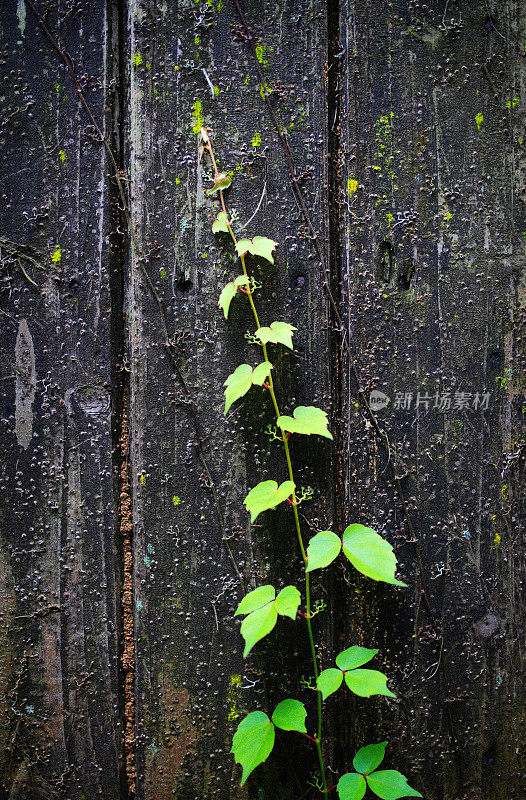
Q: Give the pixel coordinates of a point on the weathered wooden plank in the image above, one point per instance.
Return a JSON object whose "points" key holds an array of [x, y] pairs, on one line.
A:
{"points": [[60, 731], [189, 66], [432, 204]]}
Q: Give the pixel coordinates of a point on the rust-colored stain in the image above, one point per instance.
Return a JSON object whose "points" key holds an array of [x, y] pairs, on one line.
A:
{"points": [[165, 758], [128, 654]]}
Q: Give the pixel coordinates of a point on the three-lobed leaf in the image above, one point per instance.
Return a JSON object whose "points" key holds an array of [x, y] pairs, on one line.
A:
{"points": [[369, 757], [329, 681], [306, 420], [266, 495], [277, 333], [322, 550], [258, 246], [229, 292], [239, 382], [253, 742], [351, 786], [262, 607], [389, 784], [289, 715], [370, 554], [220, 224]]}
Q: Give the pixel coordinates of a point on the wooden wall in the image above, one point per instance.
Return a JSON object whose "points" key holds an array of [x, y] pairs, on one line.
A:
{"points": [[381, 144]]}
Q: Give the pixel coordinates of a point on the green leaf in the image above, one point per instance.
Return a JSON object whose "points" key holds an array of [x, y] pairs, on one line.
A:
{"points": [[287, 602], [354, 657], [261, 372], [226, 297], [256, 599], [329, 681], [369, 757], [290, 715], [229, 292], [220, 225], [322, 550], [351, 786], [389, 784], [257, 625], [277, 333], [258, 246], [366, 682], [261, 246], [370, 554], [265, 495], [239, 382], [307, 420], [222, 181], [253, 742]]}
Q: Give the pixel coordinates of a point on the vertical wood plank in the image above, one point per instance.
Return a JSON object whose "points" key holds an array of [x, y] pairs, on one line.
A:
{"points": [[189, 65], [60, 731], [432, 208]]}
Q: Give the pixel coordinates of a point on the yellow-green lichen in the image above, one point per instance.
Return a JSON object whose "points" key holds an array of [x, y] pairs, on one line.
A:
{"points": [[57, 254], [261, 54], [176, 500], [256, 140], [197, 116], [137, 60], [62, 155], [216, 90], [352, 186], [479, 119], [235, 683], [513, 103]]}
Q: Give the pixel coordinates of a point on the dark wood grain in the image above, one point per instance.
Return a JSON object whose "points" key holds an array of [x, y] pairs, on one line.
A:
{"points": [[430, 121], [192, 684], [60, 721]]}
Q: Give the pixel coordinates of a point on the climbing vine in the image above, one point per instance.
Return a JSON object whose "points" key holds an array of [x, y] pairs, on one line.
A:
{"points": [[369, 553]]}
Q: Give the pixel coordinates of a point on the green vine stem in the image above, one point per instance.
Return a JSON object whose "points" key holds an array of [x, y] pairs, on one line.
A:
{"points": [[284, 438], [367, 551]]}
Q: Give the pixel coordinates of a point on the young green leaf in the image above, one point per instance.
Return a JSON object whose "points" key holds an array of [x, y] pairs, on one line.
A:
{"points": [[289, 715], [389, 784], [257, 625], [370, 554], [261, 246], [229, 291], [261, 373], [307, 420], [369, 757], [222, 182], [287, 602], [220, 224], [253, 742], [329, 681], [366, 682], [239, 382], [265, 495], [258, 246], [354, 657], [351, 786], [256, 599], [322, 550], [277, 333]]}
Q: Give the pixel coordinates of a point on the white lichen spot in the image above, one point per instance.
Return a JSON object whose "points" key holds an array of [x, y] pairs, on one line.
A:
{"points": [[21, 14], [26, 381]]}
